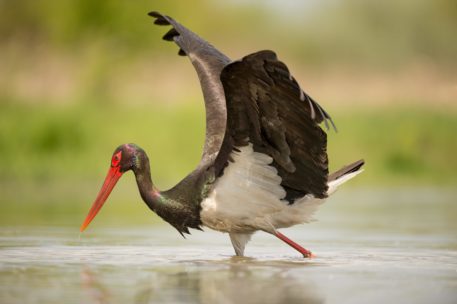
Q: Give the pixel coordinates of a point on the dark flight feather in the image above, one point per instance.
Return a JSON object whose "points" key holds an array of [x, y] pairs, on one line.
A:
{"points": [[267, 107]]}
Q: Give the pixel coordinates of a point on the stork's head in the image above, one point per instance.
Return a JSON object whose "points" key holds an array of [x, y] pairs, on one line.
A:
{"points": [[126, 157]]}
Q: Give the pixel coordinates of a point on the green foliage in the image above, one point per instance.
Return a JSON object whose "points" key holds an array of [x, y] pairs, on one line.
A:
{"points": [[380, 33], [401, 146], [44, 141], [358, 31], [75, 142]]}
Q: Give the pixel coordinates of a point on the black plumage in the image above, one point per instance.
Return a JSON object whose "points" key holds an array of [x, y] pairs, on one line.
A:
{"points": [[266, 106]]}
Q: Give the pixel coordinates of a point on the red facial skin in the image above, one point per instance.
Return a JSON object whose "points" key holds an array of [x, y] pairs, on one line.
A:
{"points": [[111, 179]]}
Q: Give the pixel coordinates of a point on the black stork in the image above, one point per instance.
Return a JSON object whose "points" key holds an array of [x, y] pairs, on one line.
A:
{"points": [[264, 164]]}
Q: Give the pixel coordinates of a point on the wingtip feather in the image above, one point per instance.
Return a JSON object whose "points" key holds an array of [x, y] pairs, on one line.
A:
{"points": [[155, 14], [169, 36], [160, 19]]}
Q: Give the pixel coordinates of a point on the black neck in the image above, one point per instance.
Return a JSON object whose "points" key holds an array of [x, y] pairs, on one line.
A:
{"points": [[175, 207], [149, 193]]}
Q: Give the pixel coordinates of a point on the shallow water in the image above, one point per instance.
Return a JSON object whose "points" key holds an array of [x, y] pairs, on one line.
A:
{"points": [[394, 247]]}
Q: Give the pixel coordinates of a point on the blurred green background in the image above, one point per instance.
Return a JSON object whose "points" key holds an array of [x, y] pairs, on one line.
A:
{"points": [[78, 78]]}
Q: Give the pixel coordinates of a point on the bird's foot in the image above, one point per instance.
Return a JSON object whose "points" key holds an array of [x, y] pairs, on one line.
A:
{"points": [[306, 253], [309, 255]]}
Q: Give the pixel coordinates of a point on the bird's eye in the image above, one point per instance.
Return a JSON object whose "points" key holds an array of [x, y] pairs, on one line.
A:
{"points": [[116, 159]]}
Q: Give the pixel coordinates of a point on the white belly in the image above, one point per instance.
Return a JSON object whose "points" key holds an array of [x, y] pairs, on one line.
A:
{"points": [[249, 197]]}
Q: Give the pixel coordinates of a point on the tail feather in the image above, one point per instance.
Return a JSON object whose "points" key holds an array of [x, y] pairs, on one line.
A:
{"points": [[343, 175]]}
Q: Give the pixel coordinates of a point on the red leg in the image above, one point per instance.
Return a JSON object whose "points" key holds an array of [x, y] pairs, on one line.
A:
{"points": [[282, 237]]}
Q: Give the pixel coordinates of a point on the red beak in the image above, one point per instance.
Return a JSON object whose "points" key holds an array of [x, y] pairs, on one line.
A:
{"points": [[110, 181]]}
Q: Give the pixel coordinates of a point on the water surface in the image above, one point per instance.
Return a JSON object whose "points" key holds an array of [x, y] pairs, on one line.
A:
{"points": [[372, 246]]}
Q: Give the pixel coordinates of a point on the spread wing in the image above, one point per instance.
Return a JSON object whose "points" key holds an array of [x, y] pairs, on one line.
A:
{"points": [[267, 108], [208, 62]]}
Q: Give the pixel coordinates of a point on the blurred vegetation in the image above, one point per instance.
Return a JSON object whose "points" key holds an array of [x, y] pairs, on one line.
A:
{"points": [[78, 78], [54, 159], [76, 142], [318, 32]]}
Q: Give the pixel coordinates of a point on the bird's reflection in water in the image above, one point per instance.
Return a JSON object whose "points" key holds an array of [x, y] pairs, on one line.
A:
{"points": [[92, 288], [232, 281]]}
